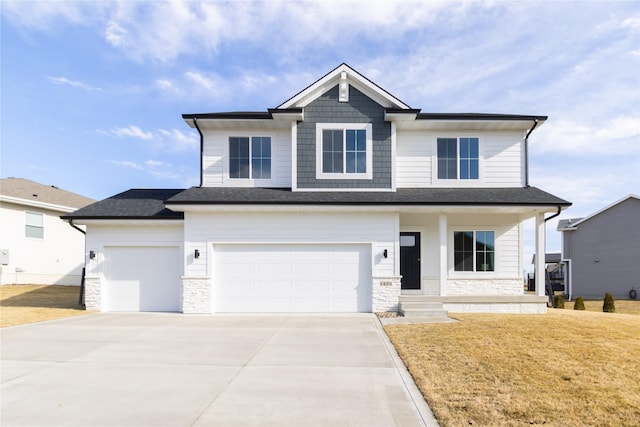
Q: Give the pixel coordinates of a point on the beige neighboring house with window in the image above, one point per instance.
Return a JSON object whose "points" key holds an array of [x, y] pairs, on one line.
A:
{"points": [[36, 246]]}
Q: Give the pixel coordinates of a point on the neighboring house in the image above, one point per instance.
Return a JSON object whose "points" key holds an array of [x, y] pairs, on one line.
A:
{"points": [[554, 272], [601, 252], [341, 199], [36, 246]]}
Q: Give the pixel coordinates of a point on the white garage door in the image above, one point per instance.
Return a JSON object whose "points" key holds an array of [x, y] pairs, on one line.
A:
{"points": [[142, 278], [292, 278]]}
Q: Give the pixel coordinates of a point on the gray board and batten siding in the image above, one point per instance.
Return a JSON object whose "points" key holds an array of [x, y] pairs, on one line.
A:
{"points": [[359, 109], [604, 252]]}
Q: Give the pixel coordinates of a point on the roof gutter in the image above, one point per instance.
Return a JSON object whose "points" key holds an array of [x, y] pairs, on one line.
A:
{"points": [[76, 227], [195, 123], [526, 154], [555, 214]]}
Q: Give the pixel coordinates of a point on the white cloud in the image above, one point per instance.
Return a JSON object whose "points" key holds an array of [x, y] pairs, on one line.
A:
{"points": [[177, 140], [132, 132], [615, 136], [158, 169], [63, 81]]}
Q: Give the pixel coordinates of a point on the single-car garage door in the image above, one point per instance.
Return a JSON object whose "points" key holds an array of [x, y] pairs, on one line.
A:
{"points": [[292, 278], [142, 278]]}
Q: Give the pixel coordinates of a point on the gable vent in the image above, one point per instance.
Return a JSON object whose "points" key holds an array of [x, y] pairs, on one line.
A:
{"points": [[343, 95]]}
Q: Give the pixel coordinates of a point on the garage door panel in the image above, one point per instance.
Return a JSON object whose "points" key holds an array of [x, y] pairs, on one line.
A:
{"points": [[142, 278], [292, 278]]}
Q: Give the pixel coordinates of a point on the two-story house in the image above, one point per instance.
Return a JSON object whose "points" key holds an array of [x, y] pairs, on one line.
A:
{"points": [[341, 199]]}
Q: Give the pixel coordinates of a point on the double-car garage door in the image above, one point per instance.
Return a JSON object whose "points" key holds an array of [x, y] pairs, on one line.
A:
{"points": [[292, 278]]}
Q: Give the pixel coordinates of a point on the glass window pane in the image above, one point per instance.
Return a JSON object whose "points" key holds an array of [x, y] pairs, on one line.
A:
{"points": [[239, 157], [256, 168], [361, 161], [327, 162], [407, 240], [337, 162], [243, 169], [351, 161], [473, 169], [34, 232], [266, 169], [351, 139], [266, 147], [34, 218], [362, 140]]}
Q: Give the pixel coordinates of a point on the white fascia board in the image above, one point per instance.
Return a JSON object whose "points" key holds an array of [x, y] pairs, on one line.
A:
{"points": [[630, 196], [527, 211], [355, 79], [128, 222], [36, 204]]}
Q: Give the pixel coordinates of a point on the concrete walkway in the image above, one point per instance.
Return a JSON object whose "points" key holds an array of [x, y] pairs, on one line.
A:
{"points": [[217, 370]]}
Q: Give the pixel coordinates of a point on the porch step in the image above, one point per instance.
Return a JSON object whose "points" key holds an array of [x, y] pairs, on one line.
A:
{"points": [[414, 308]]}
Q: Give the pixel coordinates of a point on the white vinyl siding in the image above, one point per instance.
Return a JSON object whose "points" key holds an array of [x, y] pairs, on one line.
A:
{"points": [[215, 161], [413, 160], [203, 230], [101, 236], [501, 159]]}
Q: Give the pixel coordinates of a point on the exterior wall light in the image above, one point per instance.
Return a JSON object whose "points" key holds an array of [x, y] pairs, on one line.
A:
{"points": [[196, 254], [385, 253], [92, 255]]}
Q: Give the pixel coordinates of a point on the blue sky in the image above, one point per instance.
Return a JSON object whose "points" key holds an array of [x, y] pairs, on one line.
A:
{"points": [[92, 92]]}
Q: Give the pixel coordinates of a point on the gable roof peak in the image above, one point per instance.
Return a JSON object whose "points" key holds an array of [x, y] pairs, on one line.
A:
{"points": [[333, 78]]}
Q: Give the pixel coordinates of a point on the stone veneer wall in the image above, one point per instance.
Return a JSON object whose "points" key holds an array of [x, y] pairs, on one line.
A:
{"points": [[485, 287], [386, 292], [196, 295], [92, 293]]}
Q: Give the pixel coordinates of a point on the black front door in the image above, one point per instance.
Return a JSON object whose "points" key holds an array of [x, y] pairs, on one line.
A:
{"points": [[410, 260]]}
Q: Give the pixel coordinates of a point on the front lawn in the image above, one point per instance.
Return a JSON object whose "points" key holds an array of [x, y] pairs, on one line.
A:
{"points": [[565, 368], [20, 304]]}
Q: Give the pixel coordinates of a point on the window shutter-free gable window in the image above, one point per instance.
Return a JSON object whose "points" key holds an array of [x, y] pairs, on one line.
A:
{"points": [[458, 158], [34, 225], [332, 152], [250, 157], [344, 151]]}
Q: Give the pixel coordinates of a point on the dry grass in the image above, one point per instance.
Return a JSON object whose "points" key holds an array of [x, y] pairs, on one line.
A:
{"points": [[22, 304], [565, 368]]}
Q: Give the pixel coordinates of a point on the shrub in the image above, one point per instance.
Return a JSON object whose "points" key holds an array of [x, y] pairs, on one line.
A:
{"points": [[579, 305], [558, 301], [609, 305]]}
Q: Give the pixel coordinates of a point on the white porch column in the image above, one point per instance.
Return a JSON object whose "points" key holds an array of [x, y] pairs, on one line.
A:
{"points": [[540, 254], [442, 228]]}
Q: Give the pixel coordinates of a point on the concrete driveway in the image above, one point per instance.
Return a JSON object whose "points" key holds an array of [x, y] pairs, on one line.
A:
{"points": [[161, 369]]}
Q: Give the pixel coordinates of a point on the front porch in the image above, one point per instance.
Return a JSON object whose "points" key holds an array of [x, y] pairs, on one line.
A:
{"points": [[420, 306], [466, 261]]}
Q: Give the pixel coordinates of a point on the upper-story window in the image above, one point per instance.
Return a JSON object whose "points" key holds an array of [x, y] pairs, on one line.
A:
{"points": [[344, 151], [458, 158], [34, 225], [250, 157]]}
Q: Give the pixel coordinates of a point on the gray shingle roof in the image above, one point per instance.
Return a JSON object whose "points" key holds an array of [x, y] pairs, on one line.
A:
{"points": [[403, 196], [150, 204], [566, 223], [131, 204], [28, 190]]}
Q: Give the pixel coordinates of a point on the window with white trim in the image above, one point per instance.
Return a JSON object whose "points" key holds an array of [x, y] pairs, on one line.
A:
{"points": [[474, 250], [344, 151], [250, 157], [34, 225], [458, 158]]}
